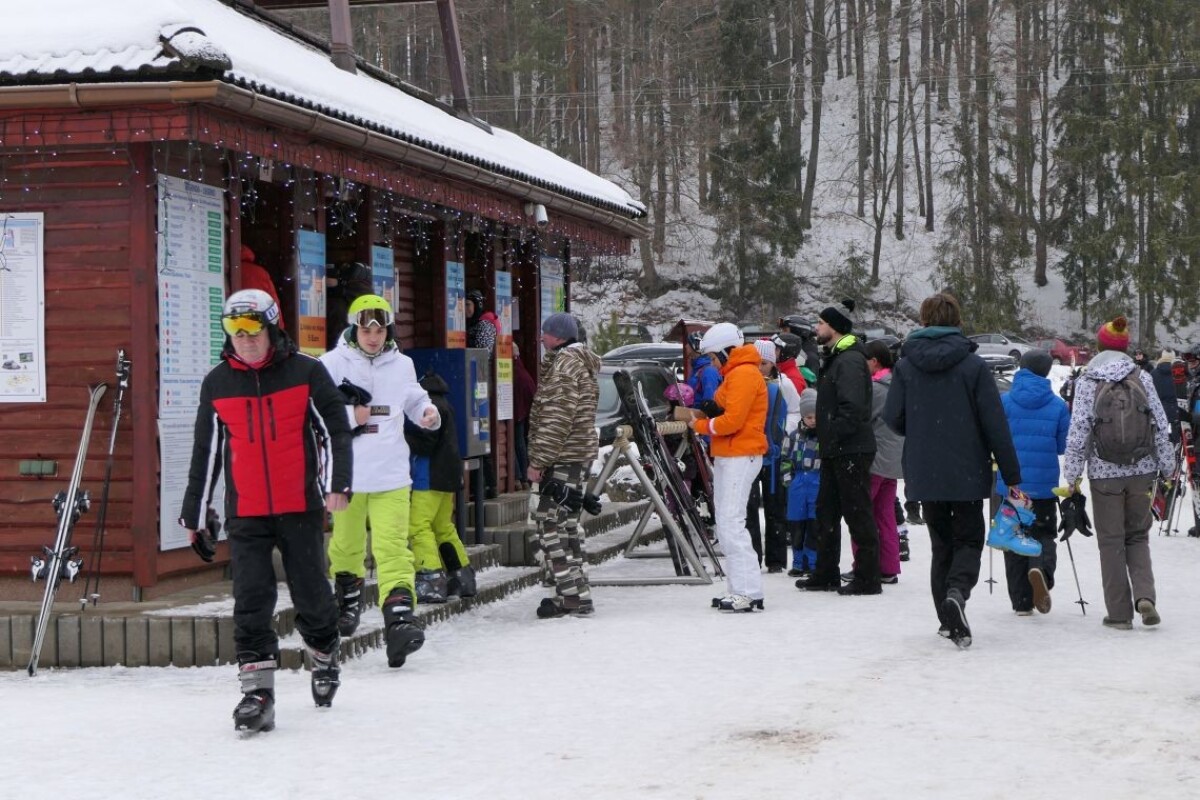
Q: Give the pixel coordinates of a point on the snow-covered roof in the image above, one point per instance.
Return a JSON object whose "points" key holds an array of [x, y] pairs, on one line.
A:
{"points": [[130, 40]]}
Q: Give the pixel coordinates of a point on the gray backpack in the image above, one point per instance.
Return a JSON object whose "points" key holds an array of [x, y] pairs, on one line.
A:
{"points": [[1122, 427]]}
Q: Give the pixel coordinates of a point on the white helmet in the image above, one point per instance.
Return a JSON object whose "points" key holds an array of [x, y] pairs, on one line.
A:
{"points": [[252, 301], [721, 336]]}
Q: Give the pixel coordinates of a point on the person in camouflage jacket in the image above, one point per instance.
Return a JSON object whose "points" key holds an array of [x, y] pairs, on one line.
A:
{"points": [[562, 446]]}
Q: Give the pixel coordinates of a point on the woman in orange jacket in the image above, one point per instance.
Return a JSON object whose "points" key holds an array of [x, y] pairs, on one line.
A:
{"points": [[736, 420]]}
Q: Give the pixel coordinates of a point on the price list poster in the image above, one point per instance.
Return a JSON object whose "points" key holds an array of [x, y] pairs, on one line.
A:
{"points": [[504, 346], [22, 309], [191, 293]]}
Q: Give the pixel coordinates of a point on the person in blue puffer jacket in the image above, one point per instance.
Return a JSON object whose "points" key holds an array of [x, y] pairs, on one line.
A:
{"points": [[1039, 420], [705, 377]]}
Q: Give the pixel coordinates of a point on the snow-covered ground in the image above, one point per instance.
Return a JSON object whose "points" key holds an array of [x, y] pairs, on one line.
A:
{"points": [[658, 695]]}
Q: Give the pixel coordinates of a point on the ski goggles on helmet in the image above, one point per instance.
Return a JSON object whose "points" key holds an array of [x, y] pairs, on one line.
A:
{"points": [[369, 317], [250, 323]]}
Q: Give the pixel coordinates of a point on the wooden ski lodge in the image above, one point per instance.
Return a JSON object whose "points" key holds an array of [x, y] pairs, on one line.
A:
{"points": [[146, 149]]}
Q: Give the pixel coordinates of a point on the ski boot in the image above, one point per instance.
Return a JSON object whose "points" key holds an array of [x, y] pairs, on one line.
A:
{"points": [[912, 512], [348, 589], [256, 711], [1007, 532], [571, 605], [325, 674], [905, 554], [404, 632], [432, 586], [462, 582], [737, 602]]}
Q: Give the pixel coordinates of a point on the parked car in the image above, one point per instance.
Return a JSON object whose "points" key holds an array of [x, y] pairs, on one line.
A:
{"points": [[667, 354], [1001, 344], [653, 379], [999, 363], [892, 341], [1003, 373], [1063, 353]]}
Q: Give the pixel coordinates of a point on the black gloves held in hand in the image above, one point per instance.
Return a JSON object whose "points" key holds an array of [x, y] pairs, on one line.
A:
{"points": [[1073, 510], [710, 409]]}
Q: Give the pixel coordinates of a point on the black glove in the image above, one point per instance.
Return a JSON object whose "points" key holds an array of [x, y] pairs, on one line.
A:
{"points": [[710, 409], [204, 540], [1073, 511], [354, 395]]}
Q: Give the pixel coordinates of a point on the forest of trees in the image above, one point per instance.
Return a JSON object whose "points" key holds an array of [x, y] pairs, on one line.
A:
{"points": [[1069, 130]]}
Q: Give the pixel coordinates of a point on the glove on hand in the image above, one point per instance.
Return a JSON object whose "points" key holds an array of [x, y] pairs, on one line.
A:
{"points": [[710, 409], [204, 540]]}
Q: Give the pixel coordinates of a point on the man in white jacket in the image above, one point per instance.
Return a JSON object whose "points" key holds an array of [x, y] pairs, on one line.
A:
{"points": [[381, 387]]}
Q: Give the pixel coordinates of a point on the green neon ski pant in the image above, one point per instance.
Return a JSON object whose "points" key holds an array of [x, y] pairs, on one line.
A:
{"points": [[433, 531], [388, 514]]}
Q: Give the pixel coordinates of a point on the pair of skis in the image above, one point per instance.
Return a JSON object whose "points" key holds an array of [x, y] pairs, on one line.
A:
{"points": [[60, 561], [664, 471]]}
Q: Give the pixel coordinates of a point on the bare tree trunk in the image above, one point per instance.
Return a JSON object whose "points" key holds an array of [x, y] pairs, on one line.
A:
{"points": [[978, 18], [861, 84], [819, 66], [905, 19], [928, 70]]}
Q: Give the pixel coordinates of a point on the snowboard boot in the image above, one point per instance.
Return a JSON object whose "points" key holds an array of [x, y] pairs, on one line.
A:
{"points": [[404, 632], [325, 674], [256, 711], [912, 512], [905, 554], [954, 616], [431, 586], [898, 510], [1041, 590], [462, 582], [348, 588]]}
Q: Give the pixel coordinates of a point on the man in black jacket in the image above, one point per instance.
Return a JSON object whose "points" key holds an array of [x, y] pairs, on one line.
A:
{"points": [[944, 401], [272, 419], [847, 443]]}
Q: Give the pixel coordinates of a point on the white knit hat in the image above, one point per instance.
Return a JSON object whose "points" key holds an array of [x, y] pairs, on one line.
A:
{"points": [[766, 349]]}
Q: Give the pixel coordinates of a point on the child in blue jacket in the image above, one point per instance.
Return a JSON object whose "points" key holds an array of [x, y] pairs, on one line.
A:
{"points": [[1039, 420], [802, 473]]}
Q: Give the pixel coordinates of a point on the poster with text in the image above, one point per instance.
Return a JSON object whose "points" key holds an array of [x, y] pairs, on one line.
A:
{"points": [[383, 274], [310, 291], [504, 346], [22, 308], [554, 296], [456, 305], [191, 293]]}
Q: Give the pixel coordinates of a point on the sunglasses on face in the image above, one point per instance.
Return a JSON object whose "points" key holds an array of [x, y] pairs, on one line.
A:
{"points": [[373, 317], [248, 324]]}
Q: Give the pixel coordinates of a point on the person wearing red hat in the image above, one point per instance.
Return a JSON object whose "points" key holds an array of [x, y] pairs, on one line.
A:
{"points": [[255, 276]]}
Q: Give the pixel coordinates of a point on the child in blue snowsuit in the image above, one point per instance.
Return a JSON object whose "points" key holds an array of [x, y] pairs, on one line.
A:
{"points": [[803, 477]]}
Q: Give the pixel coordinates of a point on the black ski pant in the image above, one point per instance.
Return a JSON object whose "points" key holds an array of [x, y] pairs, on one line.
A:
{"points": [[1016, 568], [301, 542], [845, 493], [769, 493], [956, 540]]}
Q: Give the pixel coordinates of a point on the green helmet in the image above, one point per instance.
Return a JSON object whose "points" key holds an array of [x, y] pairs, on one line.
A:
{"points": [[370, 309]]}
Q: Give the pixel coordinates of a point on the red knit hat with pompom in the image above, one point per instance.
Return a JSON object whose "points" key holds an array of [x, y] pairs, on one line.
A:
{"points": [[1114, 335]]}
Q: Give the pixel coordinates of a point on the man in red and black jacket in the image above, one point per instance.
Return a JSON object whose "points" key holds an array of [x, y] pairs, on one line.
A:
{"points": [[278, 425]]}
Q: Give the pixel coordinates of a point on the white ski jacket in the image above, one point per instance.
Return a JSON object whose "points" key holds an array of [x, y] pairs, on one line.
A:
{"points": [[381, 452]]}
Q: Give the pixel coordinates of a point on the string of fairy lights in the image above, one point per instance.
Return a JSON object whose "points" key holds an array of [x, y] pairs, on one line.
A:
{"points": [[401, 203]]}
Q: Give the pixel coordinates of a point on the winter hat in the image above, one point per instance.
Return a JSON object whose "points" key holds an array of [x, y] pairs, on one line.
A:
{"points": [[561, 325], [808, 402], [1167, 357], [839, 318], [766, 349], [1037, 361], [1114, 335]]}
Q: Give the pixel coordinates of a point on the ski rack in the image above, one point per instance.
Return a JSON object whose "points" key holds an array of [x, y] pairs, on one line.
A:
{"points": [[622, 451]]}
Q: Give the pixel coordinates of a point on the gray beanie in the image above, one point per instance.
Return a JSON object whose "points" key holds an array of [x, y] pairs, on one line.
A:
{"points": [[561, 325], [808, 402], [1037, 361]]}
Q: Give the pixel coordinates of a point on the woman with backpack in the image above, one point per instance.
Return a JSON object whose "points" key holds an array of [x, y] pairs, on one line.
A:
{"points": [[1119, 429]]}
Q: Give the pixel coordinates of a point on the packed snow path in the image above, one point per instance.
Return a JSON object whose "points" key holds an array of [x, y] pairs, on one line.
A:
{"points": [[658, 695]]}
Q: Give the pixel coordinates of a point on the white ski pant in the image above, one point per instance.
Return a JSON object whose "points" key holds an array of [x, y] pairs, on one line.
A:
{"points": [[732, 479]]}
